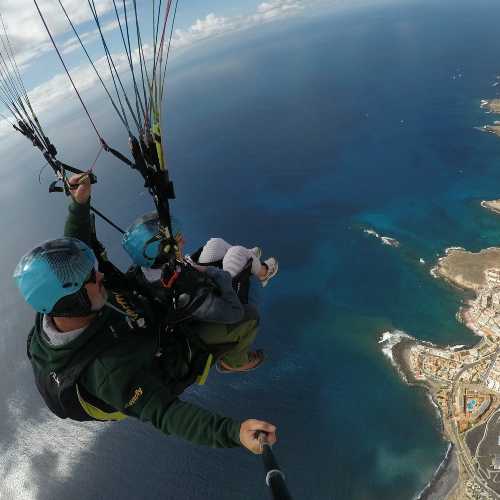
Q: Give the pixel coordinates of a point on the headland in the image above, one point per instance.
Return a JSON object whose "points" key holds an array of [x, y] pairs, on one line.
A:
{"points": [[491, 106], [463, 382], [492, 205]]}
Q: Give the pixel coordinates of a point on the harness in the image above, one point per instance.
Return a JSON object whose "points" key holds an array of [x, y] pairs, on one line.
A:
{"points": [[183, 357], [60, 390]]}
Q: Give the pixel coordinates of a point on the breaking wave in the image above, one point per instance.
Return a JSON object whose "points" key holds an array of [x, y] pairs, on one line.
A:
{"points": [[385, 240]]}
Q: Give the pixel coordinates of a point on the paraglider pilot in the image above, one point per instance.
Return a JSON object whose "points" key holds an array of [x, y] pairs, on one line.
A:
{"points": [[96, 358]]}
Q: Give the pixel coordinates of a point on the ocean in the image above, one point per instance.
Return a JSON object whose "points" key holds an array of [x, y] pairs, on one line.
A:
{"points": [[297, 137]]}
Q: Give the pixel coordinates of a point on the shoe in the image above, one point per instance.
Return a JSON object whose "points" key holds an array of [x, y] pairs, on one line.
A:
{"points": [[257, 251], [272, 270], [255, 358]]}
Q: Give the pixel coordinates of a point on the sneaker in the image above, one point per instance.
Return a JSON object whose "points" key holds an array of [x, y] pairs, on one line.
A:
{"points": [[257, 251], [272, 270], [255, 358]]}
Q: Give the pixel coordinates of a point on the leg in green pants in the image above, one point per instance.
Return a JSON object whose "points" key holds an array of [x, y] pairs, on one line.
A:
{"points": [[243, 332]]}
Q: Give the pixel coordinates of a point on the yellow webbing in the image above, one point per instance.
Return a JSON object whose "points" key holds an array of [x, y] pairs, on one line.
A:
{"points": [[201, 379], [156, 130], [159, 148], [97, 413]]}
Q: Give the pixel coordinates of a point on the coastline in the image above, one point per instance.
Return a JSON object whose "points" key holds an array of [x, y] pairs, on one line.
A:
{"points": [[400, 353], [446, 476], [491, 205], [400, 357], [466, 270]]}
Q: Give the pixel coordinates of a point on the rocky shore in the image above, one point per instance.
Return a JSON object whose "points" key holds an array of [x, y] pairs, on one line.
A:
{"points": [[400, 355], [491, 106], [446, 477], [492, 205], [467, 269]]}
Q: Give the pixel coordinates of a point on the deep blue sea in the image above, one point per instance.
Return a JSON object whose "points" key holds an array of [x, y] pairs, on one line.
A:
{"points": [[295, 137]]}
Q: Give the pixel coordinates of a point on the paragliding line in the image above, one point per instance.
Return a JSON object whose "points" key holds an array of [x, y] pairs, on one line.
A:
{"points": [[66, 69], [111, 64], [122, 118]]}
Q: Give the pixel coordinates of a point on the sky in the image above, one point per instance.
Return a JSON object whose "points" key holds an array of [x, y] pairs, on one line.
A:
{"points": [[196, 23], [42, 72]]}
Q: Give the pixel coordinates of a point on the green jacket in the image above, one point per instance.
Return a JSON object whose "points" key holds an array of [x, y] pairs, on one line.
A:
{"points": [[128, 376]]}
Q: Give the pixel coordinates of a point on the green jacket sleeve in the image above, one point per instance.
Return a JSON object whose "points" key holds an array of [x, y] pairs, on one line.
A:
{"points": [[78, 222], [144, 395], [199, 426]]}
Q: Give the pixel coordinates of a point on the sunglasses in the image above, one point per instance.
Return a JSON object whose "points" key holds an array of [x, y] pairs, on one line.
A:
{"points": [[92, 277]]}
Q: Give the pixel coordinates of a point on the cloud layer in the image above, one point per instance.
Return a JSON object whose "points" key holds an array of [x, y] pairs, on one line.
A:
{"points": [[212, 25], [25, 28], [30, 38]]}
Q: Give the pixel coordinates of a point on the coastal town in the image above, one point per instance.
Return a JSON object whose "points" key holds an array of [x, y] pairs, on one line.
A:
{"points": [[464, 382]]}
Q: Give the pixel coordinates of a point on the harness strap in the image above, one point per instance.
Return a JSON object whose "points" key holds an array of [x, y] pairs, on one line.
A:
{"points": [[117, 154], [97, 413]]}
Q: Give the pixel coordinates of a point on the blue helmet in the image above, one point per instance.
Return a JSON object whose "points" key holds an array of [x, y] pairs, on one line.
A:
{"points": [[139, 240], [54, 270], [142, 240]]}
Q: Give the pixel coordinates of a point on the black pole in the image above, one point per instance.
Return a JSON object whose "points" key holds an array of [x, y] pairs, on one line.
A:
{"points": [[275, 478], [104, 218]]}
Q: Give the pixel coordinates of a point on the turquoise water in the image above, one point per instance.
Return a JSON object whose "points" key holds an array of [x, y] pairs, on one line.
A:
{"points": [[297, 139], [471, 404]]}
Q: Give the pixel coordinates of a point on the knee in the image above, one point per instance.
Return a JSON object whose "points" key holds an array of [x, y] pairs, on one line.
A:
{"points": [[212, 241], [213, 250], [249, 329], [216, 243]]}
